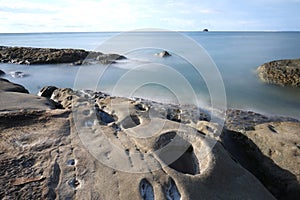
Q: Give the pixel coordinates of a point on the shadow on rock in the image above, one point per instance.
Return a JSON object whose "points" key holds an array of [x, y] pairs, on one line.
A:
{"points": [[280, 182]]}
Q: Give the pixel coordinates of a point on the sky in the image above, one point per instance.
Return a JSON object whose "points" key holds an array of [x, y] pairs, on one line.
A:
{"points": [[18, 16]]}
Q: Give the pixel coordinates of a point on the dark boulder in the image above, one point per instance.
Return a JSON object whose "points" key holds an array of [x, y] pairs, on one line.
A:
{"points": [[2, 73], [47, 91]]}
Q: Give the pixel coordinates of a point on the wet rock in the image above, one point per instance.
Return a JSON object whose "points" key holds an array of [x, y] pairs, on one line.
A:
{"points": [[29, 56], [47, 91], [281, 72], [109, 58], [163, 54], [8, 86], [17, 74], [79, 62], [2, 73]]}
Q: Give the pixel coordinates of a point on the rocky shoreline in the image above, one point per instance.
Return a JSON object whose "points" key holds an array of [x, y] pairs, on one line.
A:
{"points": [[31, 56], [281, 72], [44, 152]]}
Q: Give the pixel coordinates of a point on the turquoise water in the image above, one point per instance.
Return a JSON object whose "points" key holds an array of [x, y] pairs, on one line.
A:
{"points": [[236, 55]]}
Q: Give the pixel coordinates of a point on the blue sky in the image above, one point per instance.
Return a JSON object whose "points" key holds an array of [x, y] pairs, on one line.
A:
{"points": [[126, 15]]}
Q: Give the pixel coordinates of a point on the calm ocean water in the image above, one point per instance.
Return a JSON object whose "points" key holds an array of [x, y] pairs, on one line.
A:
{"points": [[236, 55]]}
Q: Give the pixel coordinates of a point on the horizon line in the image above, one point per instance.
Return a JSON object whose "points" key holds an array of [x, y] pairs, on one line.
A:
{"points": [[145, 30]]}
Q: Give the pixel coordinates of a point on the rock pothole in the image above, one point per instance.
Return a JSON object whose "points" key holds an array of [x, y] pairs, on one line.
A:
{"points": [[130, 121], [141, 107], [103, 117], [146, 190], [74, 183], [180, 157], [164, 139], [187, 163], [71, 162], [172, 192]]}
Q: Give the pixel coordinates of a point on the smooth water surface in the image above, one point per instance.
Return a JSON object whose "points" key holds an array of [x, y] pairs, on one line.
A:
{"points": [[236, 54]]}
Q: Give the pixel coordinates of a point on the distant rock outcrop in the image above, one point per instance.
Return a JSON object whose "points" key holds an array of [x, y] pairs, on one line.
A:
{"points": [[29, 56], [281, 72], [163, 54], [205, 30]]}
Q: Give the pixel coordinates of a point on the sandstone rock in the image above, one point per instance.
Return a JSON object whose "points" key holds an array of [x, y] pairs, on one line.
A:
{"points": [[241, 121], [271, 152], [281, 72], [47, 91], [163, 54], [108, 147], [6, 85], [15, 101], [63, 96]]}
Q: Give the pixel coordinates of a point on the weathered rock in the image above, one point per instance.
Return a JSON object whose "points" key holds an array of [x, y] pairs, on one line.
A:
{"points": [[63, 96], [15, 101], [47, 91], [270, 151], [205, 30], [30, 167], [57, 154], [7, 86], [281, 72], [241, 121], [163, 54], [29, 55], [2, 73]]}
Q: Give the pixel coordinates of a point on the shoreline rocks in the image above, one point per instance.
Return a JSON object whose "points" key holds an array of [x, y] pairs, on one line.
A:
{"points": [[31, 56], [7, 86], [99, 142], [281, 72]]}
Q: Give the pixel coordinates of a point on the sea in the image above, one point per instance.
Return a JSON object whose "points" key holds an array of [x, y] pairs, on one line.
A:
{"points": [[205, 68]]}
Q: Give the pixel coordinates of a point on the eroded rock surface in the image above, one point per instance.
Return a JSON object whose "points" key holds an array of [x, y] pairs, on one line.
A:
{"points": [[269, 148], [104, 147], [281, 72], [140, 149]]}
